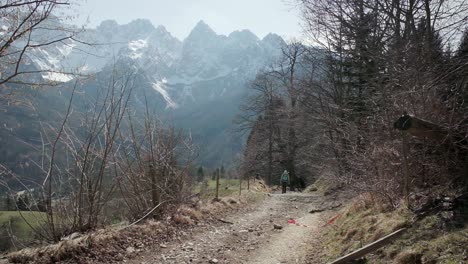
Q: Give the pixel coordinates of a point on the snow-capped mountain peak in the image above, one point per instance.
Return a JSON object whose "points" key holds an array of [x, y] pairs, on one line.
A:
{"points": [[243, 36], [206, 74], [137, 46], [201, 29], [174, 67]]}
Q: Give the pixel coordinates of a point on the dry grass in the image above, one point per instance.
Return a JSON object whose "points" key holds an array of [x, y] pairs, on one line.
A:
{"points": [[408, 257], [194, 214], [109, 245], [365, 220], [182, 220], [57, 252], [323, 186], [361, 222]]}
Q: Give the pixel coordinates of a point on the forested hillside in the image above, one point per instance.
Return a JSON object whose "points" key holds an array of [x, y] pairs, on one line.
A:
{"points": [[332, 109]]}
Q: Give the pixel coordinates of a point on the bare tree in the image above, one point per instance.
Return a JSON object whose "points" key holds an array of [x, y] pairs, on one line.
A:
{"points": [[259, 114], [280, 133], [26, 26], [383, 59]]}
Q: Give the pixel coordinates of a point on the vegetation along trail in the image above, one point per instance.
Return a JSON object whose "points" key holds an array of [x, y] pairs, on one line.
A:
{"points": [[260, 234]]}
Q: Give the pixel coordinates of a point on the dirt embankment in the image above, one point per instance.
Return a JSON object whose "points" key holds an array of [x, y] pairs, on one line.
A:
{"points": [[258, 228], [120, 243]]}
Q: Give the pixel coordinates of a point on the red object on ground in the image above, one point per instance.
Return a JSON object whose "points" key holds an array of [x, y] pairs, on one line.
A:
{"points": [[292, 221], [332, 219]]}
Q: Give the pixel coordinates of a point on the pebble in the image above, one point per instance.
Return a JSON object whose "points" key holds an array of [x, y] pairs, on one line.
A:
{"points": [[276, 226], [130, 249]]}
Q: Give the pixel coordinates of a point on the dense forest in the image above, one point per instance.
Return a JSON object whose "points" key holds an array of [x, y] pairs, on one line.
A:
{"points": [[332, 109]]}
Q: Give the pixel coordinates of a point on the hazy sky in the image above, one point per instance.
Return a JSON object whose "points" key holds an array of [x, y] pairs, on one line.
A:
{"points": [[180, 16]]}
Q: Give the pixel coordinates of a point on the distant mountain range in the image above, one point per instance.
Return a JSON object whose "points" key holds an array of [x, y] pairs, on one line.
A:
{"points": [[197, 83]]}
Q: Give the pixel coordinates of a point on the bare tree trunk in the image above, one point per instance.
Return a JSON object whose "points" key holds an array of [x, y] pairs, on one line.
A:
{"points": [[217, 185], [270, 153], [240, 185], [406, 186], [155, 196]]}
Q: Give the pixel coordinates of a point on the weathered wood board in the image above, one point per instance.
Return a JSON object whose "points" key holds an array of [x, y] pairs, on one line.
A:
{"points": [[369, 248]]}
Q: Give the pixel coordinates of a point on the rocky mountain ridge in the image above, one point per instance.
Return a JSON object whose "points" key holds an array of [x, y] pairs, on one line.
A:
{"points": [[197, 83]]}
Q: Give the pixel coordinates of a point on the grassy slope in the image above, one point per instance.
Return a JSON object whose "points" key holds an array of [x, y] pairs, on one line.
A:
{"points": [[19, 223], [22, 218], [363, 221], [227, 187]]}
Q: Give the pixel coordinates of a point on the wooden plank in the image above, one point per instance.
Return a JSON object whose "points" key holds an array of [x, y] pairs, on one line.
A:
{"points": [[420, 128], [369, 248]]}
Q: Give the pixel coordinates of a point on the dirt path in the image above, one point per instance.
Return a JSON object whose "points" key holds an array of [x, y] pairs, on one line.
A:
{"points": [[251, 238]]}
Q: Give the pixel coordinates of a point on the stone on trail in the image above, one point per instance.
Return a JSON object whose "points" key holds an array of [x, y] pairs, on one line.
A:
{"points": [[276, 226], [130, 249], [214, 261]]}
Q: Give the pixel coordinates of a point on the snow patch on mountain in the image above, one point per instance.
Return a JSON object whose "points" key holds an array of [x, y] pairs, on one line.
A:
{"points": [[50, 62], [67, 49], [3, 30], [159, 86], [137, 47], [50, 67], [57, 76]]}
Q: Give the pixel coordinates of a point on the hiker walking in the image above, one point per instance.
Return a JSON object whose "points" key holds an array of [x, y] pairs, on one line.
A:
{"points": [[284, 180]]}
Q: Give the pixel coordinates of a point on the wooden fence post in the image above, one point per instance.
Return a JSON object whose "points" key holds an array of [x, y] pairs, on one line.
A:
{"points": [[240, 185], [217, 185]]}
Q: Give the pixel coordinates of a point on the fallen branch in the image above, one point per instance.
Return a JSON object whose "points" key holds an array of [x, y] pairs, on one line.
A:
{"points": [[331, 207], [224, 221], [146, 215], [313, 211]]}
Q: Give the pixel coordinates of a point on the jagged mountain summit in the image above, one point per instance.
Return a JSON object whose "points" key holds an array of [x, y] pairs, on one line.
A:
{"points": [[202, 56], [198, 82]]}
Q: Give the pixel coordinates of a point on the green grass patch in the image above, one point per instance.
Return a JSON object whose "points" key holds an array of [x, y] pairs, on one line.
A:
{"points": [[207, 189], [21, 219], [16, 228]]}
